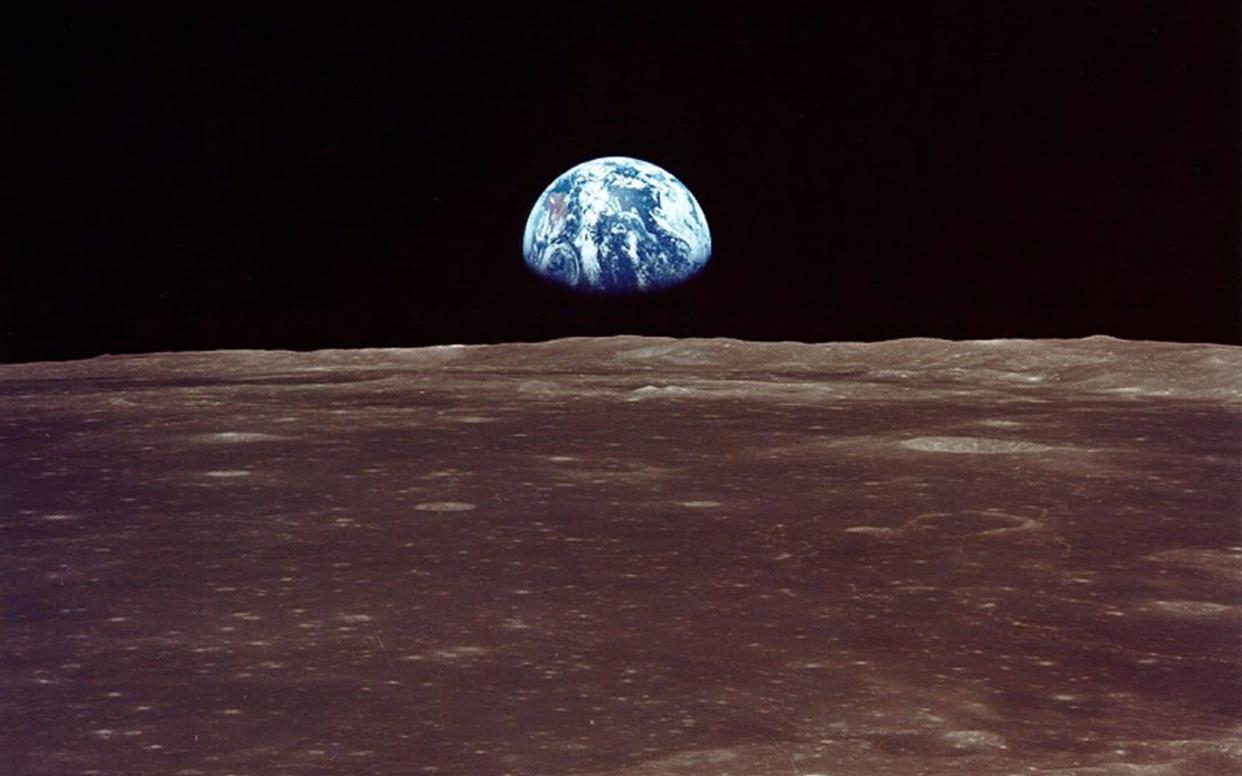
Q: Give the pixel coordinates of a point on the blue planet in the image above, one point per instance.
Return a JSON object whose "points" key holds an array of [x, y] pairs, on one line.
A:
{"points": [[616, 225]]}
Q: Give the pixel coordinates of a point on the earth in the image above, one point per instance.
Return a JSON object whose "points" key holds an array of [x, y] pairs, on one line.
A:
{"points": [[616, 225]]}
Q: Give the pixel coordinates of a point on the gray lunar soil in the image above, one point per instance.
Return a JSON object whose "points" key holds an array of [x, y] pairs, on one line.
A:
{"points": [[625, 556]]}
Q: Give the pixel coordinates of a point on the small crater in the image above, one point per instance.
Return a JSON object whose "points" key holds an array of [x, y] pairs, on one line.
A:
{"points": [[448, 654], [973, 445], [969, 523], [1225, 563], [660, 392], [973, 740], [1191, 608], [1000, 423], [445, 506], [952, 525], [234, 437], [871, 530], [952, 743], [699, 757]]}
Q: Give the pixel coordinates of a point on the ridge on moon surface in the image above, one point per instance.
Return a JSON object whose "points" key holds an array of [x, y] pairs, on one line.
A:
{"points": [[626, 555]]}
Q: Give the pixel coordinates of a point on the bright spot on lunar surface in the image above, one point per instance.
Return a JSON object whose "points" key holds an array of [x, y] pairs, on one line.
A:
{"points": [[625, 557], [616, 225]]}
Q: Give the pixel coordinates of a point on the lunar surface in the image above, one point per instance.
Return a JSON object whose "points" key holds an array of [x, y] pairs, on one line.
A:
{"points": [[629, 555]]}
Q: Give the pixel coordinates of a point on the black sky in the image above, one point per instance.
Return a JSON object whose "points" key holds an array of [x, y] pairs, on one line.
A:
{"points": [[199, 176]]}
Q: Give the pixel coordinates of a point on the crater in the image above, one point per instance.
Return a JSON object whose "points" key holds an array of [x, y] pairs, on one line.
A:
{"points": [[664, 392], [871, 530], [448, 654], [1192, 608], [233, 437], [951, 525], [1000, 423], [969, 523], [473, 420], [1225, 563], [445, 506], [973, 445]]}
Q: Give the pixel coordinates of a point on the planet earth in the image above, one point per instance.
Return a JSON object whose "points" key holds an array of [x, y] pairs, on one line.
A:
{"points": [[616, 225]]}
